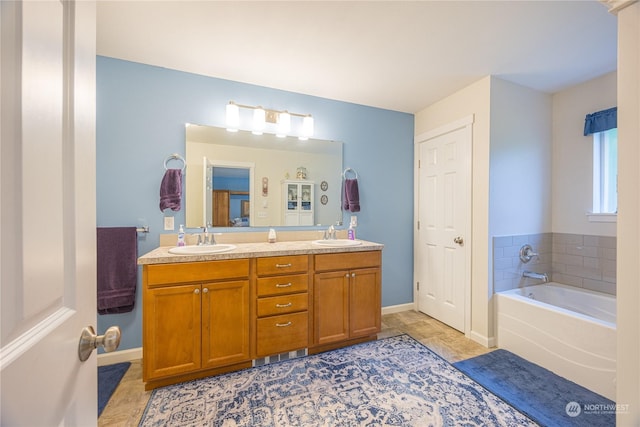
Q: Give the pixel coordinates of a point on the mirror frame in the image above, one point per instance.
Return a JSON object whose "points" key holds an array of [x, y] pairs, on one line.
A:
{"points": [[197, 170]]}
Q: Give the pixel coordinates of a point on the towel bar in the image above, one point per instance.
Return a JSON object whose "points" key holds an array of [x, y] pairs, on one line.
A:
{"points": [[143, 229]]}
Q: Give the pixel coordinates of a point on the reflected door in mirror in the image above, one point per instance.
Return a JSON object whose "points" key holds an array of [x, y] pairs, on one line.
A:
{"points": [[221, 208]]}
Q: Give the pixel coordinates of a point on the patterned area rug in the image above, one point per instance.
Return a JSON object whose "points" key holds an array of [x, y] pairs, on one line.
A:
{"points": [[395, 381]]}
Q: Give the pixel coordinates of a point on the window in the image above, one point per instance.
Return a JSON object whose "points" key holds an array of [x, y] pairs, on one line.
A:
{"points": [[605, 172]]}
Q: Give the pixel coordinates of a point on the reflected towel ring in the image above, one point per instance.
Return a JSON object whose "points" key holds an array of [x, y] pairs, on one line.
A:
{"points": [[344, 174], [175, 156]]}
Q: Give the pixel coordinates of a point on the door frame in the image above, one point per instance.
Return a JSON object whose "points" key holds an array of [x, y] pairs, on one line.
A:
{"points": [[465, 123]]}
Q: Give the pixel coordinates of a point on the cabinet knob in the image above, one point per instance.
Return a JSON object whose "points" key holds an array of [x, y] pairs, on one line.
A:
{"points": [[353, 274], [346, 275], [197, 291], [205, 290]]}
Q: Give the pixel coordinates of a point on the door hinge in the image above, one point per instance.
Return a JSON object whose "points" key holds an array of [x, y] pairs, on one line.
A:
{"points": [[418, 286], [418, 225], [419, 164]]}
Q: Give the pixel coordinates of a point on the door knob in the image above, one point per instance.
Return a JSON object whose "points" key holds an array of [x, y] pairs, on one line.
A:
{"points": [[89, 341], [459, 240]]}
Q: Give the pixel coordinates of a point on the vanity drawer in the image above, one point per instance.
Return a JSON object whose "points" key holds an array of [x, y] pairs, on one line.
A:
{"points": [[283, 304], [282, 284], [270, 266], [278, 334], [160, 274], [347, 261]]}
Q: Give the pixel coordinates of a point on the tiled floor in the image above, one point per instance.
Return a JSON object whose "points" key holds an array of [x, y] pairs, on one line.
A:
{"points": [[130, 399]]}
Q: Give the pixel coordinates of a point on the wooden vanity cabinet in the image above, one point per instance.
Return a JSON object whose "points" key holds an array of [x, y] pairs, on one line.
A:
{"points": [[346, 298], [282, 304], [195, 320]]}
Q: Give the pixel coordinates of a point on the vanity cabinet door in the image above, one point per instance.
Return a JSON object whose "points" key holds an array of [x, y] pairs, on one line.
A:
{"points": [[172, 329], [331, 306], [365, 301], [346, 296], [225, 323]]}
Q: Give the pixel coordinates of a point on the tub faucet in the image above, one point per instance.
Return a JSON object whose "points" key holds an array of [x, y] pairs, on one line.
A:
{"points": [[534, 275]]}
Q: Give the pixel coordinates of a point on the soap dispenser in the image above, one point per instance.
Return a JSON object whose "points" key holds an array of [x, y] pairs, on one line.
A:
{"points": [[181, 236], [272, 236]]}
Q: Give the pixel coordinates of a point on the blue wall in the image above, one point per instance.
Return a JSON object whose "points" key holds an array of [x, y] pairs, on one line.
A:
{"points": [[141, 112]]}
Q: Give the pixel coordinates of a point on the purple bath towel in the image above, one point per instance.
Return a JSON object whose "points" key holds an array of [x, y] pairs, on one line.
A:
{"points": [[117, 251], [171, 190], [351, 196]]}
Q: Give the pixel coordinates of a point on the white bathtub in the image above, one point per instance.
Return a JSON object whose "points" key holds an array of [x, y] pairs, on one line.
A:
{"points": [[565, 329]]}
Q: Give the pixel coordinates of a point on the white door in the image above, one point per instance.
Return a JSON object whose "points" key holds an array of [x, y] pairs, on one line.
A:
{"points": [[443, 234], [47, 212]]}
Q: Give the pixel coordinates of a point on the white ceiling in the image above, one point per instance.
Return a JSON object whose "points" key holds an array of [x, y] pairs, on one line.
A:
{"points": [[396, 55]]}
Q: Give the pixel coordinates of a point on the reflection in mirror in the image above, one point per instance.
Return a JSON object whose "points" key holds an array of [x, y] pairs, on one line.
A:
{"points": [[244, 180]]}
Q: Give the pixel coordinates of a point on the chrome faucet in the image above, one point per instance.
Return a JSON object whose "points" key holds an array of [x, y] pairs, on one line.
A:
{"points": [[206, 238], [330, 233], [534, 275]]}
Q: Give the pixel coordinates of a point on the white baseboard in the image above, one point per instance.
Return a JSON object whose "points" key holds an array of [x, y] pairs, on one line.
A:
{"points": [[398, 308], [482, 340], [119, 356]]}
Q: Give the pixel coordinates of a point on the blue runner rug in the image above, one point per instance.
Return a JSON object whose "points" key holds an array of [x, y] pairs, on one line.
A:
{"points": [[109, 377], [545, 397], [394, 381]]}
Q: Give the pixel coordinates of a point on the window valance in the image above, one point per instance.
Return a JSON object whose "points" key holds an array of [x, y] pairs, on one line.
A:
{"points": [[601, 121]]}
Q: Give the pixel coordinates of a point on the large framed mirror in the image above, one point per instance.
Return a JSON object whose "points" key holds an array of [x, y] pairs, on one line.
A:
{"points": [[238, 179]]}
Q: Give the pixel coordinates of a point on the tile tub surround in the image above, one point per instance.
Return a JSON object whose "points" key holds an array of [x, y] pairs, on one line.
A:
{"points": [[507, 267], [584, 261]]}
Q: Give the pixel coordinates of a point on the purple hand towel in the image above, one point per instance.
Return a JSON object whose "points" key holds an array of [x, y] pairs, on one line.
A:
{"points": [[117, 251], [171, 190], [351, 198]]}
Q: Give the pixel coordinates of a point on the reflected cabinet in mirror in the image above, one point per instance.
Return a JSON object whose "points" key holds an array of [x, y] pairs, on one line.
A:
{"points": [[238, 179]]}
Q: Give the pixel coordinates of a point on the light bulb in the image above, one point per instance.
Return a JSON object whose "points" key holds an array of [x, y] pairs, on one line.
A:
{"points": [[284, 124], [307, 128], [258, 121], [233, 117]]}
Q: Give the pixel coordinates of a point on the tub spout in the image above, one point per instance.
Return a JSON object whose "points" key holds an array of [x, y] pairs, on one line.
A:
{"points": [[534, 275]]}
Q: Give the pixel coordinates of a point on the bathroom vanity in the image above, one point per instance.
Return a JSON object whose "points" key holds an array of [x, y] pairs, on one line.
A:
{"points": [[209, 314]]}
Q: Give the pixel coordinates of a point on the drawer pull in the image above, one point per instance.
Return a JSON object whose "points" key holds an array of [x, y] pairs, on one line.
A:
{"points": [[283, 285], [283, 325], [284, 305], [283, 265]]}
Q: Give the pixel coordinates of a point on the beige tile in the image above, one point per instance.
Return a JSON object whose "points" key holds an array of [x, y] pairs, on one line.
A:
{"points": [[130, 399]]}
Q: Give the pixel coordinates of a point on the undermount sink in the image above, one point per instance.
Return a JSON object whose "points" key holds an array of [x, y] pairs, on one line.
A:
{"points": [[201, 250], [337, 243]]}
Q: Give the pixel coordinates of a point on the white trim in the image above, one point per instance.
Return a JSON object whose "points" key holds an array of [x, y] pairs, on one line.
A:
{"points": [[25, 341], [467, 124], [481, 339], [602, 217], [398, 308], [442, 130], [119, 356]]}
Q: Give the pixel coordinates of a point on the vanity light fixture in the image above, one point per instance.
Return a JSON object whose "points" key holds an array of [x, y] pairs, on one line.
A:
{"points": [[270, 121]]}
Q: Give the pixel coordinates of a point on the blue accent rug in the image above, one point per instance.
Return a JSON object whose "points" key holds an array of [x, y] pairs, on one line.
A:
{"points": [[109, 377], [545, 397], [395, 381]]}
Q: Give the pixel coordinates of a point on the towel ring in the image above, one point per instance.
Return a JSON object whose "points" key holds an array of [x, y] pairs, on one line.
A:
{"points": [[174, 156], [344, 174]]}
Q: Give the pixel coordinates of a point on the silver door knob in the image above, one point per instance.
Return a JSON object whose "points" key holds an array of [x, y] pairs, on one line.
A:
{"points": [[459, 240], [89, 341]]}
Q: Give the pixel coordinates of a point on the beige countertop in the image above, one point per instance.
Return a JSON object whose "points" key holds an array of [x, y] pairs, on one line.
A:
{"points": [[161, 255]]}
